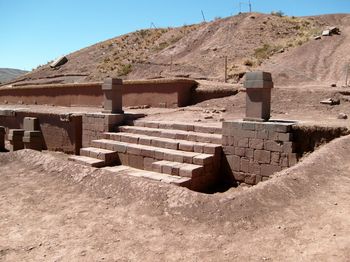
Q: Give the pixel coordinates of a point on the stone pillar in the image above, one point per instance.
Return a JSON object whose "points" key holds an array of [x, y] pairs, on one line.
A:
{"points": [[258, 99], [31, 124], [112, 93], [2, 138], [32, 137], [16, 139]]}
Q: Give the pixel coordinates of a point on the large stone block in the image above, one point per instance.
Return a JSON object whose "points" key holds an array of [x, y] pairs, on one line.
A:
{"points": [[31, 124], [262, 156], [16, 139], [234, 162], [273, 146]]}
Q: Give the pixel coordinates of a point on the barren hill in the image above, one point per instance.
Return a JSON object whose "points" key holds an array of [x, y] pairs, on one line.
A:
{"points": [[7, 74], [324, 61], [283, 45]]}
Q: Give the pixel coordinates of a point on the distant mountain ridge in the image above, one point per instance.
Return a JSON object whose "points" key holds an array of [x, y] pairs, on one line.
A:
{"points": [[8, 74]]}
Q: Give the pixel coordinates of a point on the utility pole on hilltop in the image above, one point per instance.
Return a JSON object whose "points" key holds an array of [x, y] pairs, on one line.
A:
{"points": [[153, 25], [347, 74], [225, 69], [245, 3], [203, 16]]}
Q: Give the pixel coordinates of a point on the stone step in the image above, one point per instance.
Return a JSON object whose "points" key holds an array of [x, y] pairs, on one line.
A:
{"points": [[213, 128], [155, 153], [175, 144], [124, 170], [178, 169], [87, 161], [173, 134], [108, 156]]}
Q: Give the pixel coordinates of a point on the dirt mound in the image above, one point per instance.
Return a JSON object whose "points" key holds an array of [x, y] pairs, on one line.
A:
{"points": [[199, 51], [56, 210]]}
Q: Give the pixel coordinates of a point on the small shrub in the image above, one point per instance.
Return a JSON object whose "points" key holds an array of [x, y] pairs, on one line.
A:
{"points": [[248, 62], [265, 52], [125, 70], [277, 13]]}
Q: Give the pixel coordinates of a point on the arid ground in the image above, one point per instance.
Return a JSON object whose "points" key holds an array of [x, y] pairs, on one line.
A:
{"points": [[52, 210]]}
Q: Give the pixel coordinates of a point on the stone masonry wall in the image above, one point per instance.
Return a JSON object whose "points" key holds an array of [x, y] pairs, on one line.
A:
{"points": [[95, 124], [254, 151], [61, 132]]}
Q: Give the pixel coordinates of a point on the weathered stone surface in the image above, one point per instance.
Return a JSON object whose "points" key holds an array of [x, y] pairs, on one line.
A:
{"points": [[273, 146], [234, 162], [256, 143], [285, 137], [243, 142], [275, 158], [240, 151], [258, 100], [262, 156], [59, 62], [31, 124], [244, 165], [112, 93], [258, 75], [249, 153]]}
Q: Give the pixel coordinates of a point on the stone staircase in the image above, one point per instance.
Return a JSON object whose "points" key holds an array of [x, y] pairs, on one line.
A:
{"points": [[184, 154]]}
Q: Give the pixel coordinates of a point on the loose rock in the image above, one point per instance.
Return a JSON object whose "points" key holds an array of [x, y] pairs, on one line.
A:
{"points": [[342, 116]]}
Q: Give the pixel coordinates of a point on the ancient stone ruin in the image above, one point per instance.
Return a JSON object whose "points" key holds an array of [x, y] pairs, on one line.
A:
{"points": [[199, 156]]}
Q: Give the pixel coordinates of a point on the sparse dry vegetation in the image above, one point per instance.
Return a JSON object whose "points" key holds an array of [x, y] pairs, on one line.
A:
{"points": [[124, 70], [193, 50]]}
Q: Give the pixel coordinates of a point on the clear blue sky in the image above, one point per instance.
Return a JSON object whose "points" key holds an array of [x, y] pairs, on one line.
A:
{"points": [[33, 32]]}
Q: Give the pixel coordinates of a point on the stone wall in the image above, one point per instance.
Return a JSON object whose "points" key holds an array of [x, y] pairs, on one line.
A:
{"points": [[61, 132], [95, 124], [253, 151], [169, 93]]}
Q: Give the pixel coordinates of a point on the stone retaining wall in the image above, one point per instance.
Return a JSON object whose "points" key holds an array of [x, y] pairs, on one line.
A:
{"points": [[61, 132], [95, 125], [254, 151], [168, 93]]}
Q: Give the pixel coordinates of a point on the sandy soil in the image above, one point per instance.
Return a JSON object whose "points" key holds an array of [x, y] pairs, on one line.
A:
{"points": [[53, 210]]}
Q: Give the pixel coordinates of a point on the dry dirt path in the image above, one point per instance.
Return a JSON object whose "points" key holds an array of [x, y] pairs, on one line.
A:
{"points": [[52, 210]]}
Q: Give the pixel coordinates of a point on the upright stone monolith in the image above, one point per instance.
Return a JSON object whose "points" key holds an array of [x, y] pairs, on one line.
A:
{"points": [[258, 100], [112, 93]]}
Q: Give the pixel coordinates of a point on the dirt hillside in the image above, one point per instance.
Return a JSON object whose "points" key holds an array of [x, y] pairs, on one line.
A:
{"points": [[322, 62], [249, 41]]}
